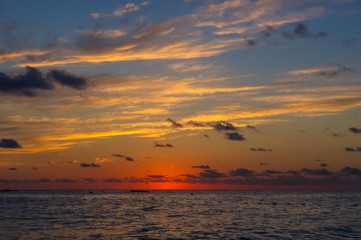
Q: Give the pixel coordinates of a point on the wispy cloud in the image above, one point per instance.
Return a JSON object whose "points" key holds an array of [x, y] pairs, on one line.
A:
{"points": [[166, 39]]}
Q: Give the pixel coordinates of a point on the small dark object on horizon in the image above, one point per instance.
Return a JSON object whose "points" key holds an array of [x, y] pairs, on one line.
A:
{"points": [[139, 191]]}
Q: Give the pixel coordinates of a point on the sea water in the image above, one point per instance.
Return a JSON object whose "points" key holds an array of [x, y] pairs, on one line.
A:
{"points": [[107, 214]]}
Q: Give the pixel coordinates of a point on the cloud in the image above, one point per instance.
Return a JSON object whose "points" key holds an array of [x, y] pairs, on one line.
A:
{"points": [[355, 130], [24, 84], [301, 31], [234, 136], [223, 126], [65, 180], [251, 43], [89, 165], [251, 127], [319, 172], [13, 169], [9, 143], [350, 149], [218, 126], [156, 176], [188, 36], [163, 145], [32, 80], [270, 173], [26, 181], [339, 69], [129, 7], [113, 180], [260, 150], [68, 79], [349, 171], [346, 176], [350, 42], [323, 165], [90, 180], [329, 71], [130, 159], [242, 172], [338, 134], [196, 124], [174, 123], [209, 173], [202, 167]]}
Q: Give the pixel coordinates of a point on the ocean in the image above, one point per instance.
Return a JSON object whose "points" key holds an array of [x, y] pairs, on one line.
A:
{"points": [[180, 214]]}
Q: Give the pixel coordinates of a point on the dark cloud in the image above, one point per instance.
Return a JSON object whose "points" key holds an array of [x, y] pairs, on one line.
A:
{"points": [[332, 73], [218, 126], [319, 172], [260, 150], [223, 126], [196, 124], [251, 43], [323, 165], [89, 165], [24, 84], [338, 134], [202, 167], [43, 180], [156, 176], [163, 145], [350, 42], [13, 169], [251, 127], [270, 173], [242, 172], [293, 172], [347, 176], [268, 31], [301, 31], [174, 123], [234, 136], [348, 171], [263, 164], [32, 80], [209, 173], [64, 180], [350, 149], [26, 181], [355, 130], [9, 143], [130, 159], [68, 79], [90, 180], [113, 180]]}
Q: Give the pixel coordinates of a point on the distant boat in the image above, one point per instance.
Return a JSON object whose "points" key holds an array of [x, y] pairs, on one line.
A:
{"points": [[140, 191]]}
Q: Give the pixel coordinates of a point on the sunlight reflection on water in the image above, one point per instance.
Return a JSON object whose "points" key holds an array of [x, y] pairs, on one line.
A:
{"points": [[180, 215]]}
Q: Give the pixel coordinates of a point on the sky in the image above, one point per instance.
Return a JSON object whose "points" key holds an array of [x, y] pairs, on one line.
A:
{"points": [[180, 94]]}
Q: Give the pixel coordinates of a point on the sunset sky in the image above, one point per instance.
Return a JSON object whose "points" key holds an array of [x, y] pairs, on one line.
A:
{"points": [[180, 94]]}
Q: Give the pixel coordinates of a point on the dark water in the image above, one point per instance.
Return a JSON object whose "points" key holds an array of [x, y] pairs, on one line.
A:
{"points": [[180, 215]]}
